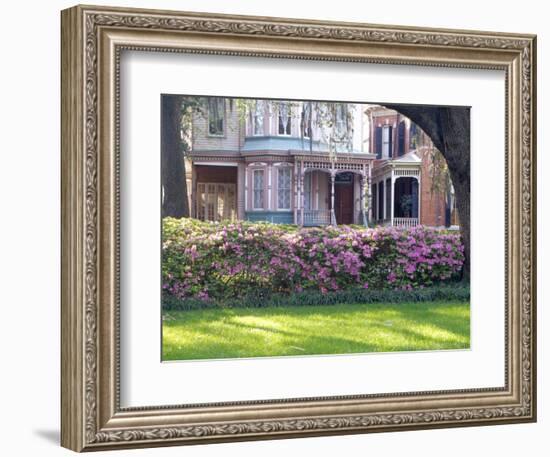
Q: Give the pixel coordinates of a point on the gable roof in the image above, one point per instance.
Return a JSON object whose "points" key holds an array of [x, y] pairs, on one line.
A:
{"points": [[410, 158]]}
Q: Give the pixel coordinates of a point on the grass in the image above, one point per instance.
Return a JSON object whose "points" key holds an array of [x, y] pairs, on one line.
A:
{"points": [[341, 329]]}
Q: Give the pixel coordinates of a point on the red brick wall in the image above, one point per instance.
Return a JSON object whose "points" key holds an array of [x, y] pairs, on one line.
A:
{"points": [[393, 120], [432, 205]]}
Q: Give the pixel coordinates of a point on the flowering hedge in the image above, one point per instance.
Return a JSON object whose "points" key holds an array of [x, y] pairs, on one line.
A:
{"points": [[224, 261]]}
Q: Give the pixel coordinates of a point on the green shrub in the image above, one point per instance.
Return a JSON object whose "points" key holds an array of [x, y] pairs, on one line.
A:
{"points": [[458, 291], [257, 261]]}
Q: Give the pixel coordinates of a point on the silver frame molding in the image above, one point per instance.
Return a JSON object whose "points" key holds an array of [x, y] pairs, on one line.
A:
{"points": [[92, 41]]}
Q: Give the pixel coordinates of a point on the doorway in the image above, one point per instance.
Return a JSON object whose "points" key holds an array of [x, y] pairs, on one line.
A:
{"points": [[343, 202]]}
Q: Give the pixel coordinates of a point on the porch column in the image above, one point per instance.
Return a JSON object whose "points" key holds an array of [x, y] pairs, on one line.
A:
{"points": [[296, 193], [392, 192], [370, 215], [363, 183], [302, 195], [241, 184], [270, 179], [384, 198], [415, 199], [419, 180], [362, 197], [332, 212], [194, 212], [246, 205], [299, 202], [315, 190], [379, 211]]}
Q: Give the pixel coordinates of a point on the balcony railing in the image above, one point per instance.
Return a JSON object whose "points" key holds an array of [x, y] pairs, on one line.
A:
{"points": [[405, 221], [314, 217]]}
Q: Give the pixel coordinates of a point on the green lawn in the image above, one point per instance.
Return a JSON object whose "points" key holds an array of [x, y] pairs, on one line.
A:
{"points": [[339, 329]]}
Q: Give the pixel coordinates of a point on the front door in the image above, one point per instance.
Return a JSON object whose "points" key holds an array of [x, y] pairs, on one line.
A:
{"points": [[343, 203]]}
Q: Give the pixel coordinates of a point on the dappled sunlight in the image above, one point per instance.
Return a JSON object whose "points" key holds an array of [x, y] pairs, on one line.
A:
{"points": [[340, 329], [263, 323]]}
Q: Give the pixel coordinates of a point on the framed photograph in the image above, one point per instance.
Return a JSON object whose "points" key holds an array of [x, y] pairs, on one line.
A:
{"points": [[274, 228]]}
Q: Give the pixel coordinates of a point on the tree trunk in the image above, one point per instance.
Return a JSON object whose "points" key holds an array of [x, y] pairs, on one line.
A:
{"points": [[455, 123], [175, 201], [449, 130]]}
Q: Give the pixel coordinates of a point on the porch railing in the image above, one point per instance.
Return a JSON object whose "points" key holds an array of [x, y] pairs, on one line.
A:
{"points": [[313, 217], [405, 221]]}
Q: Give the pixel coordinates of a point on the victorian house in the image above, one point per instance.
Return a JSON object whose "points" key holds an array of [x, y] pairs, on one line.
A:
{"points": [[278, 163]]}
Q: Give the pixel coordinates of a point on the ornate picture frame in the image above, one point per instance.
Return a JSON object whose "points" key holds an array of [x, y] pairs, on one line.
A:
{"points": [[93, 39]]}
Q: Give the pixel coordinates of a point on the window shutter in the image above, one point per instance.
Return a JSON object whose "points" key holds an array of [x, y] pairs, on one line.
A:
{"points": [[401, 139], [390, 129], [378, 142]]}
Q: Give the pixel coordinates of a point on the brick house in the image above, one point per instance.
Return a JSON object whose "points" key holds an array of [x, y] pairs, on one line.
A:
{"points": [[273, 164], [403, 189]]}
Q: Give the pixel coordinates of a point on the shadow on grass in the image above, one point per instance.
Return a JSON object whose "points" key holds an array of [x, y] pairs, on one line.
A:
{"points": [[221, 333]]}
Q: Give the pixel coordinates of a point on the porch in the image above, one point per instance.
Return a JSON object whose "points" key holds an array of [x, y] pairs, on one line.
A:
{"points": [[214, 192], [396, 191], [331, 192]]}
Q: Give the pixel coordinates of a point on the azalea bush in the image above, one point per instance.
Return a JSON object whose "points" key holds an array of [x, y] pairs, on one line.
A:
{"points": [[226, 261]]}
